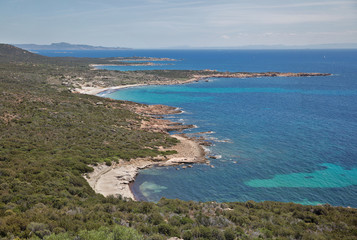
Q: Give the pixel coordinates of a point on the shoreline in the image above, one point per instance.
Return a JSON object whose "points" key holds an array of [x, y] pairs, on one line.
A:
{"points": [[94, 90], [117, 179], [97, 90]]}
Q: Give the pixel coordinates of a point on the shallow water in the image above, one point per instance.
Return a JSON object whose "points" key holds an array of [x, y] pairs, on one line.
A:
{"points": [[285, 139]]}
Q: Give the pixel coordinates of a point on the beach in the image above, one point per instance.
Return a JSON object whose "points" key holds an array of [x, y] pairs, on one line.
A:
{"points": [[97, 90], [115, 179], [94, 90]]}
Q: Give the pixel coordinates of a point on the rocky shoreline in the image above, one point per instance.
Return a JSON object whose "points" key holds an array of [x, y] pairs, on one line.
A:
{"points": [[215, 74], [116, 179], [94, 90]]}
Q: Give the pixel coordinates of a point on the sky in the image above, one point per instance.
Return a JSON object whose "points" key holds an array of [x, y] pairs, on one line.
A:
{"points": [[178, 23]]}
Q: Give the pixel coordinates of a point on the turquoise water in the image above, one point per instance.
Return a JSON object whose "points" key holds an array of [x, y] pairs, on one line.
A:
{"points": [[332, 177], [281, 139]]}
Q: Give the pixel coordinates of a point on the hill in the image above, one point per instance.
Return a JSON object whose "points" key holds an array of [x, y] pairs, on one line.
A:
{"points": [[65, 46], [9, 53], [50, 137]]}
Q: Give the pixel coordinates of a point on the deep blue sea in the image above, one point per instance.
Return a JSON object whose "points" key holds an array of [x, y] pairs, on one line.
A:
{"points": [[281, 139]]}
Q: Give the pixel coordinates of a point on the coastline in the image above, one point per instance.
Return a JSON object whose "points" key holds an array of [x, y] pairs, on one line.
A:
{"points": [[97, 90], [116, 179], [207, 74], [133, 61]]}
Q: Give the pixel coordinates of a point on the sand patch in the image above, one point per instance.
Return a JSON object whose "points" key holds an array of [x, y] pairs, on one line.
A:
{"points": [[115, 179]]}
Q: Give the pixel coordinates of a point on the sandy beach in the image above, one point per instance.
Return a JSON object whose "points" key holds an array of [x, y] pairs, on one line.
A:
{"points": [[94, 90], [97, 90], [114, 180]]}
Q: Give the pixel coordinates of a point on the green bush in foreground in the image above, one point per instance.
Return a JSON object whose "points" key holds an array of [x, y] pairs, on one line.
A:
{"points": [[103, 233]]}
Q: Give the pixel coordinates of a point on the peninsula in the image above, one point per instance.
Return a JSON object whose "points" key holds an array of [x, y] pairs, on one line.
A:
{"points": [[166, 77]]}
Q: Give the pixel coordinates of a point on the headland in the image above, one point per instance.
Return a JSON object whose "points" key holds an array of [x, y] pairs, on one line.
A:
{"points": [[195, 77], [116, 179]]}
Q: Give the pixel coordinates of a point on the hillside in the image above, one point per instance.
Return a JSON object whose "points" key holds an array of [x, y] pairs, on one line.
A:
{"points": [[9, 53], [50, 136]]}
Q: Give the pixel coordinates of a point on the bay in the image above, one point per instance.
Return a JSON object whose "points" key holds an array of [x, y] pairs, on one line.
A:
{"points": [[281, 139]]}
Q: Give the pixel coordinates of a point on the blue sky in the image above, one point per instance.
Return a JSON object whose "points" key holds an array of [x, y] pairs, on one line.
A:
{"points": [[178, 23]]}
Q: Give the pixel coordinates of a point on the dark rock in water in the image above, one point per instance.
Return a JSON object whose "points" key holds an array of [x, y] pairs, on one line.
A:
{"points": [[205, 143]]}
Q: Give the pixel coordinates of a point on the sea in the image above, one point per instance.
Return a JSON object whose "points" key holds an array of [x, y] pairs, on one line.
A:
{"points": [[287, 139]]}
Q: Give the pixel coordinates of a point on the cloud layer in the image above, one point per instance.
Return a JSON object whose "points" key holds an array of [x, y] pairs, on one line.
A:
{"points": [[158, 23]]}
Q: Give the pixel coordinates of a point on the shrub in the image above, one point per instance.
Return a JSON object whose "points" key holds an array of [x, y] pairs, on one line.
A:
{"points": [[167, 230], [125, 233], [229, 234]]}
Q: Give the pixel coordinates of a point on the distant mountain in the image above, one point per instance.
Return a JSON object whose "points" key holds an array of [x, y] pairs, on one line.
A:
{"points": [[65, 46]]}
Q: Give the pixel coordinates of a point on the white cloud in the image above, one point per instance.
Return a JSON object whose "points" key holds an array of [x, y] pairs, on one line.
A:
{"points": [[225, 37]]}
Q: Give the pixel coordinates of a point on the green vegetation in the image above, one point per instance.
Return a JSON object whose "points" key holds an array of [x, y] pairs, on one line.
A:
{"points": [[48, 138]]}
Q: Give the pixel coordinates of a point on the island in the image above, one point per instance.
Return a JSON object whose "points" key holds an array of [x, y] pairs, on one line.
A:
{"points": [[63, 46]]}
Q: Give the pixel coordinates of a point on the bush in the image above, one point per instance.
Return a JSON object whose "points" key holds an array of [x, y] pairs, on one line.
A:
{"points": [[125, 233], [155, 218], [41, 230], [167, 230], [229, 234], [103, 233]]}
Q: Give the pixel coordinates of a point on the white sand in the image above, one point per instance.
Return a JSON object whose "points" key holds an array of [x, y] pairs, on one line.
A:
{"points": [[96, 90], [115, 179]]}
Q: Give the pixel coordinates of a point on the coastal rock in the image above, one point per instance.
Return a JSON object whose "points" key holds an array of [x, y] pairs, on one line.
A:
{"points": [[254, 75], [114, 180], [205, 143], [162, 125], [175, 161], [158, 109]]}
